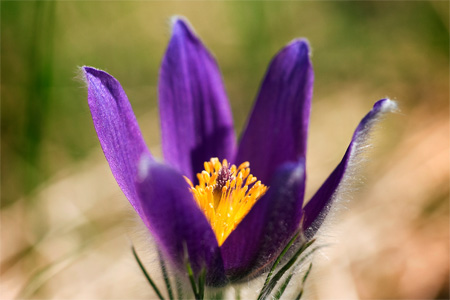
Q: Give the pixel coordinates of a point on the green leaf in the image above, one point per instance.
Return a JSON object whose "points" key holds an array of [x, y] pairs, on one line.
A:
{"points": [[179, 288], [267, 288], [155, 288], [198, 290], [282, 288], [165, 275], [217, 295], [303, 282], [237, 293], [201, 284], [277, 261], [191, 278]]}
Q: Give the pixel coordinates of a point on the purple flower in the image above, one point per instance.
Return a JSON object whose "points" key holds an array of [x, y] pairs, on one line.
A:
{"points": [[233, 229]]}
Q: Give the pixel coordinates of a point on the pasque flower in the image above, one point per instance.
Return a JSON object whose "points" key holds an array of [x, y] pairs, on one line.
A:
{"points": [[229, 208]]}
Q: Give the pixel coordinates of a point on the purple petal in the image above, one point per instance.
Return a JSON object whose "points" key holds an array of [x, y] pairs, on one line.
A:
{"points": [[196, 121], [318, 207], [278, 127], [177, 222], [117, 130], [270, 224]]}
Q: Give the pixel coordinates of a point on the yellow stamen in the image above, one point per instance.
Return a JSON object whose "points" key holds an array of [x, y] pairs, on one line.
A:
{"points": [[226, 194]]}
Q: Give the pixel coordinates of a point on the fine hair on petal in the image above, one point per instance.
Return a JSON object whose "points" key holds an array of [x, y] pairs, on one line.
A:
{"points": [[353, 177]]}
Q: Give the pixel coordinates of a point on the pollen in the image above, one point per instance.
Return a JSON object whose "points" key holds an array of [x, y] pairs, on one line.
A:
{"points": [[226, 193]]}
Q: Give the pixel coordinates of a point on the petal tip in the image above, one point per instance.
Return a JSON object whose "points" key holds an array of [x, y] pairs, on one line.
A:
{"points": [[300, 42], [385, 105], [86, 71], [87, 68], [300, 45], [297, 52], [181, 26], [91, 72]]}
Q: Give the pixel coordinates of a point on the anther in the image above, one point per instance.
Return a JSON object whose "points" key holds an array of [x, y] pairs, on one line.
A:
{"points": [[225, 193], [224, 175]]}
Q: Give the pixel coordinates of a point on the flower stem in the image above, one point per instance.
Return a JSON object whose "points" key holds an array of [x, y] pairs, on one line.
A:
{"points": [[152, 283]]}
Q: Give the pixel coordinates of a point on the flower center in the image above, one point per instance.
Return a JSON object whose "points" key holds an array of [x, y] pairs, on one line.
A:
{"points": [[226, 194]]}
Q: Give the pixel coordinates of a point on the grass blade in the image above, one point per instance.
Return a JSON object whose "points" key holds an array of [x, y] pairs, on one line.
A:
{"points": [[282, 288], [277, 261], [179, 288], [303, 282], [237, 293], [201, 284], [218, 295], [267, 288], [189, 270], [165, 275], [155, 288], [191, 278]]}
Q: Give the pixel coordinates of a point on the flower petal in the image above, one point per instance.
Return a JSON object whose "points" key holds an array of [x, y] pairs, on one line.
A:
{"points": [[196, 121], [117, 130], [318, 207], [177, 222], [270, 224], [278, 126]]}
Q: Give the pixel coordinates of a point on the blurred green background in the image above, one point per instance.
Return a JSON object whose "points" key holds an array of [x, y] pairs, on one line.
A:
{"points": [[60, 204]]}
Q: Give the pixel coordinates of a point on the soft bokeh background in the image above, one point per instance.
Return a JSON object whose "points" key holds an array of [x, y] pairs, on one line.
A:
{"points": [[67, 228]]}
